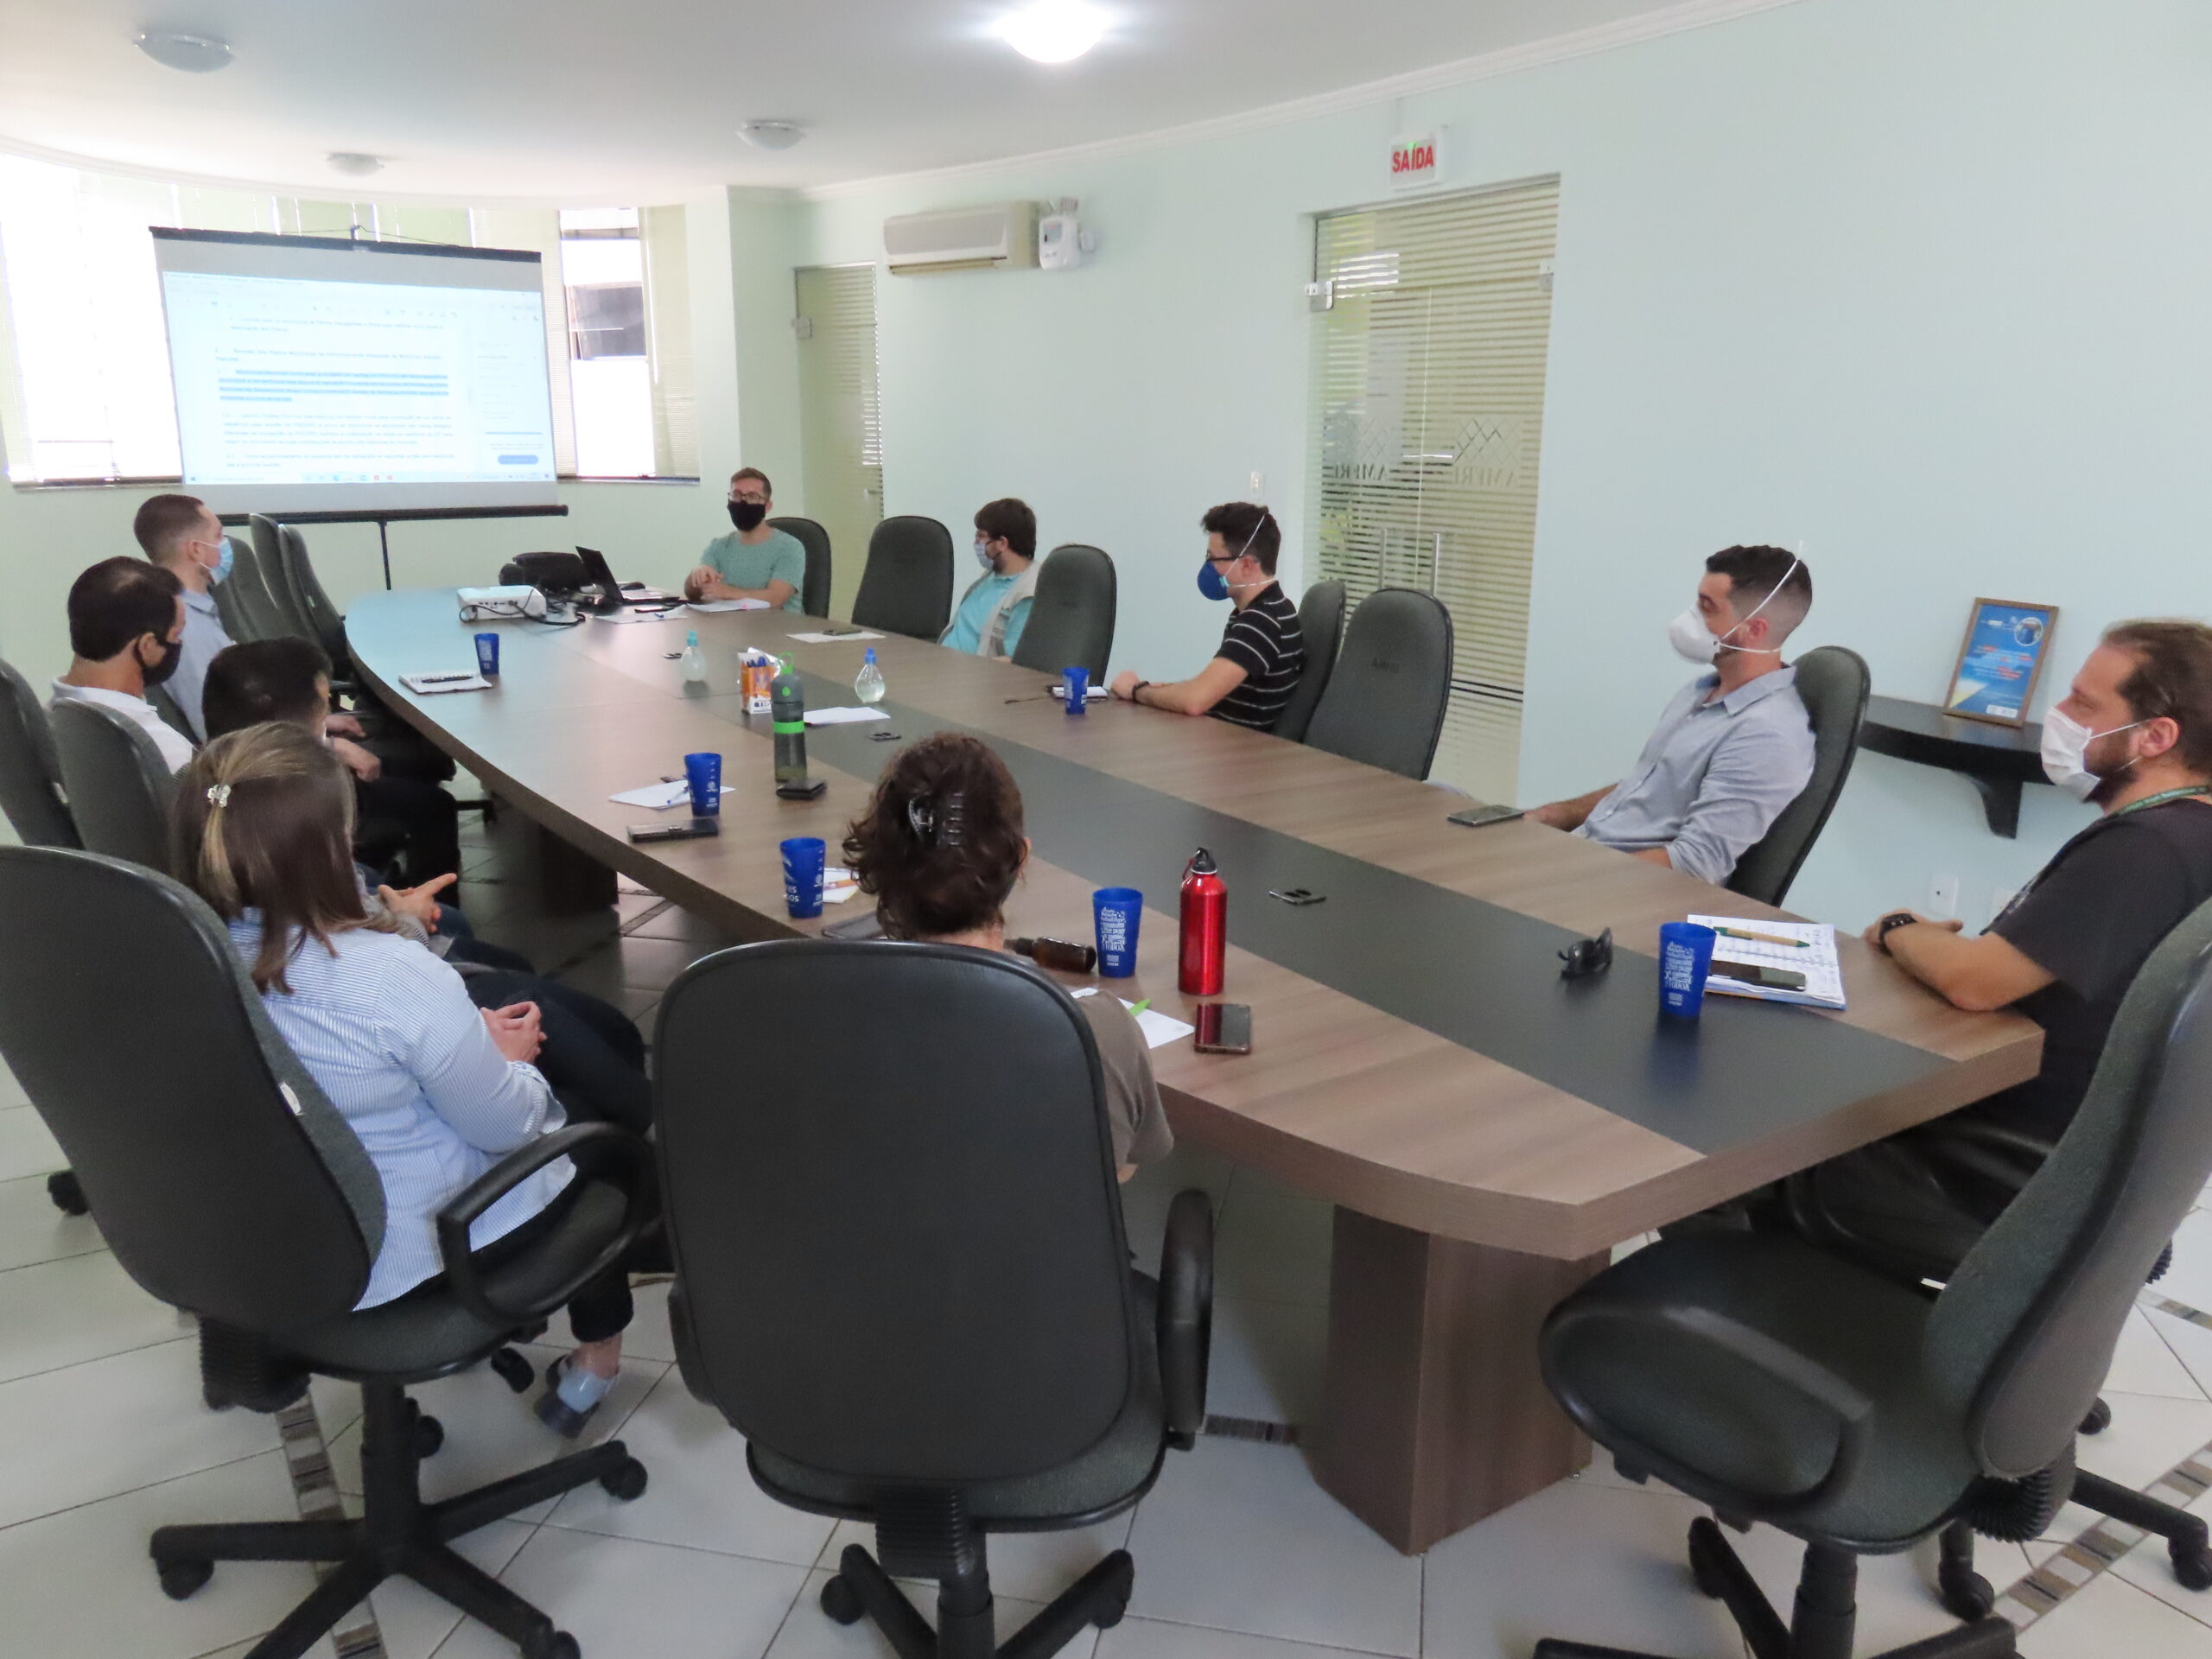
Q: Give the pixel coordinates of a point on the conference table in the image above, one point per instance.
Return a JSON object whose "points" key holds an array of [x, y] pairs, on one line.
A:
{"points": [[1485, 1129]]}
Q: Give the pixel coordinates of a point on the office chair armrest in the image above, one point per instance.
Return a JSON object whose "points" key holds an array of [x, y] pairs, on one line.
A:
{"points": [[1797, 1372], [632, 1172], [1185, 1316]]}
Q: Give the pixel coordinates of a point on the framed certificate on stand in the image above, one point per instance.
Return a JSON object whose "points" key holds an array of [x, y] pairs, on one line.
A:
{"points": [[2000, 661]]}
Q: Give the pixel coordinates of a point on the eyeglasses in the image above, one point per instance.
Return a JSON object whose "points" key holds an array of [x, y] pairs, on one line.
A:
{"points": [[1587, 956]]}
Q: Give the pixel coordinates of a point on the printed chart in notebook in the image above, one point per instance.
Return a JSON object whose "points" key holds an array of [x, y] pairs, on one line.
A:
{"points": [[1814, 957]]}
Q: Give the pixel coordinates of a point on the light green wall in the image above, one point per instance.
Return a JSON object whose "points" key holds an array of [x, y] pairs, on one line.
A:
{"points": [[1919, 282]]}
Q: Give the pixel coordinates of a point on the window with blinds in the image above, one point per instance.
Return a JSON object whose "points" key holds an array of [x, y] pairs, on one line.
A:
{"points": [[840, 424], [1429, 410]]}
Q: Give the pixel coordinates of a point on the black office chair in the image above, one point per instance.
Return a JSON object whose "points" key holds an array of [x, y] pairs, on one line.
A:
{"points": [[1321, 623], [203, 1143], [326, 626], [1385, 700], [814, 591], [1781, 1384], [1834, 683], [906, 587], [1071, 618], [31, 792], [172, 713], [119, 786], [901, 1273], [267, 536], [234, 603]]}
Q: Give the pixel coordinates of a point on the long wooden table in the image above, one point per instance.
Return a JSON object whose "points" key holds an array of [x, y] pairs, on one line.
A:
{"points": [[1485, 1130]]}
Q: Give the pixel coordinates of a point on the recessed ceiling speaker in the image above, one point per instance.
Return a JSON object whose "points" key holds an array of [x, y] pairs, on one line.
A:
{"points": [[770, 134], [197, 54], [354, 164]]}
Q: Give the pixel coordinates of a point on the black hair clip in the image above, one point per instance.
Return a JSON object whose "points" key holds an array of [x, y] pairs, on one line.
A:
{"points": [[921, 818], [1587, 956], [939, 827], [954, 826]]}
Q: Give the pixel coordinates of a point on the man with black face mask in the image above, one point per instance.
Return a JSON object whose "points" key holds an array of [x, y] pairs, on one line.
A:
{"points": [[126, 628], [756, 561]]}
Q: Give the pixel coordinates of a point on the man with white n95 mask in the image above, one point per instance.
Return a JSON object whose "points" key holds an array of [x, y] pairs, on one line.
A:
{"points": [[1734, 747]]}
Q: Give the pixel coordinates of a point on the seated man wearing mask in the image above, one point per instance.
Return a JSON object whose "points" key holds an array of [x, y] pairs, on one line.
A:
{"points": [[992, 614], [756, 561], [1263, 650], [126, 628], [1735, 746]]}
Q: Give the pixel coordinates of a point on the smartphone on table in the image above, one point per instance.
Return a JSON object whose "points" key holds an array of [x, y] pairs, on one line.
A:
{"points": [[1475, 817], [1222, 1028]]}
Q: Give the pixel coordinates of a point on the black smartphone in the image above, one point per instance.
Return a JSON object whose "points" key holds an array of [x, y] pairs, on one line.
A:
{"points": [[682, 830], [1772, 979], [1223, 1028], [1475, 816]]}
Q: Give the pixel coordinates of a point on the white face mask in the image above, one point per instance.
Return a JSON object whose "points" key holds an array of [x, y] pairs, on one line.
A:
{"points": [[1691, 639], [2065, 748], [983, 555]]}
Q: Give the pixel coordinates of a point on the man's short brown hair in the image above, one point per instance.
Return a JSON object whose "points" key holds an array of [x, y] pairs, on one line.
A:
{"points": [[1010, 521], [164, 523], [2172, 680], [744, 473]]}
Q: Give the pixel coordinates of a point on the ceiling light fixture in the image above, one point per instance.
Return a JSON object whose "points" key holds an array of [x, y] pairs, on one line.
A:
{"points": [[198, 55], [1054, 31], [770, 134], [355, 163]]}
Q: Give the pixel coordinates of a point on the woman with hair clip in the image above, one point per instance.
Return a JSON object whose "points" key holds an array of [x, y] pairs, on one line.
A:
{"points": [[436, 1090], [940, 847]]}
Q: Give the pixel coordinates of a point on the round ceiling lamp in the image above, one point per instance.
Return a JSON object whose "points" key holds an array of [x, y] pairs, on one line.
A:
{"points": [[356, 164], [197, 54], [770, 134], [1054, 31]]}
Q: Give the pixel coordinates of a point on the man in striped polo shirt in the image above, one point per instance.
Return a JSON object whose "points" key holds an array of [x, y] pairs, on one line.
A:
{"points": [[1263, 652]]}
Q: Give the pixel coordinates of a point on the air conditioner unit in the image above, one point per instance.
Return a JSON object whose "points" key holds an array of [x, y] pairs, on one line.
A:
{"points": [[1000, 237]]}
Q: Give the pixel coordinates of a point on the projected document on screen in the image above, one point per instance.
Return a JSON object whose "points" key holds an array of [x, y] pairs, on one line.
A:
{"points": [[313, 374]]}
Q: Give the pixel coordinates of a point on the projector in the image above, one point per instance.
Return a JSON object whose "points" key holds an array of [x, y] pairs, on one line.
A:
{"points": [[497, 604]]}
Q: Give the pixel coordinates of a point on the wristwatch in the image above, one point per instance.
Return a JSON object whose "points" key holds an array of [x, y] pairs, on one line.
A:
{"points": [[1890, 924], [1137, 687]]}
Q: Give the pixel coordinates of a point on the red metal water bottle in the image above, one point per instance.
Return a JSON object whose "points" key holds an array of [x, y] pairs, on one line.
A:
{"points": [[1206, 927]]}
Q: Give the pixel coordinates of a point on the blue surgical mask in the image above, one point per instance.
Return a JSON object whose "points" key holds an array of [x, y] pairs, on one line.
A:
{"points": [[983, 553], [222, 570], [1211, 583]]}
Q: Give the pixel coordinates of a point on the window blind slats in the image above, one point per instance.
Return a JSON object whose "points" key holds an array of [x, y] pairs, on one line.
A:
{"points": [[1428, 399], [841, 418]]}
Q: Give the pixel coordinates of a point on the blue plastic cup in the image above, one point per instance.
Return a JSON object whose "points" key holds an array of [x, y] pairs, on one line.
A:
{"points": [[703, 774], [487, 655], [1078, 682], [804, 860], [1685, 959], [1117, 911]]}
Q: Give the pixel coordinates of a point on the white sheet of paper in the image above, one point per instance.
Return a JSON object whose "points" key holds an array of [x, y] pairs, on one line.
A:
{"points": [[1091, 693], [1817, 961], [861, 637], [431, 685], [1160, 1029], [842, 716], [715, 607], [659, 796], [838, 884]]}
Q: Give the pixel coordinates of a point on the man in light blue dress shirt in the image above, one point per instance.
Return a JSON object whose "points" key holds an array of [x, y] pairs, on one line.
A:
{"points": [[1735, 746]]}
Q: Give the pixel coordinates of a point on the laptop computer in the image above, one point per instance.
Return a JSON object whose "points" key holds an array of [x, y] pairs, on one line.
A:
{"points": [[612, 594]]}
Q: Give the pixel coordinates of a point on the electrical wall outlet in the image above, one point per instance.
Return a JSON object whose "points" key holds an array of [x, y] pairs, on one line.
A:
{"points": [[1258, 489], [1943, 897]]}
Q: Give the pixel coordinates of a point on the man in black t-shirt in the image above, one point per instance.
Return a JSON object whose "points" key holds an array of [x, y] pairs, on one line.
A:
{"points": [[1263, 652], [2133, 736]]}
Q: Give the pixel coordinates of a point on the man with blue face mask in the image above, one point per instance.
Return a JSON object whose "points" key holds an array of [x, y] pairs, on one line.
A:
{"points": [[1263, 652], [1734, 747], [993, 611], [180, 535]]}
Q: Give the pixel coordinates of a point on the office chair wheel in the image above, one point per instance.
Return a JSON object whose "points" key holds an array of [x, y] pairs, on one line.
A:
{"points": [[430, 1436], [67, 1194], [2192, 1565], [550, 1643], [841, 1601], [513, 1369], [181, 1580], [1966, 1595], [2099, 1420], [626, 1481]]}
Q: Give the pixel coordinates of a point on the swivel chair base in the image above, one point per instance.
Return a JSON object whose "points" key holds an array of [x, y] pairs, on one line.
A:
{"points": [[964, 1630], [2189, 1541], [399, 1534], [1823, 1621]]}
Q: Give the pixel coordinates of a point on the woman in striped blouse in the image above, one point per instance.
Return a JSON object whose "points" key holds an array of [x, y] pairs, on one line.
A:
{"points": [[436, 1090]]}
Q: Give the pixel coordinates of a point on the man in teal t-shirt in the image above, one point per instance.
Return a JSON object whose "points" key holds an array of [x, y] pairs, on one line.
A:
{"points": [[754, 562], [993, 611]]}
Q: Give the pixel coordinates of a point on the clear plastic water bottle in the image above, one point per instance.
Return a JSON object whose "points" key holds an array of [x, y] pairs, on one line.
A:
{"points": [[868, 684], [695, 660]]}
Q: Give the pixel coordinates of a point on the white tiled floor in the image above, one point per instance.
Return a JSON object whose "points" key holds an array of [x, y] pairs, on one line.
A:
{"points": [[1240, 1555]]}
